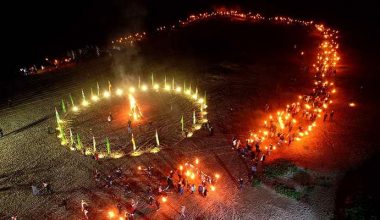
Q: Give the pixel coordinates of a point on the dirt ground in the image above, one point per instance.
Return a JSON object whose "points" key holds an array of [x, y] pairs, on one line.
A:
{"points": [[242, 67]]}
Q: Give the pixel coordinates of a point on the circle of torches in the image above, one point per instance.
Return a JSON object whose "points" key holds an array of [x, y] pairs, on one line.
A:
{"points": [[187, 92], [299, 118]]}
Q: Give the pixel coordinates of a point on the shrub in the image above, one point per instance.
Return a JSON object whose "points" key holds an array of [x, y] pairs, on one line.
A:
{"points": [[279, 168], [288, 191], [256, 182]]}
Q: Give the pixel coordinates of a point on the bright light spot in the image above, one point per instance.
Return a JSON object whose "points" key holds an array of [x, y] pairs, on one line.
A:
{"points": [[181, 167], [196, 161], [217, 176], [201, 100], [156, 86], [167, 87], [139, 167], [212, 188], [132, 89], [85, 103], [111, 214], [106, 94], [195, 97], [164, 199], [178, 89], [119, 92], [144, 88], [75, 109], [188, 92], [352, 104], [192, 176], [94, 98]]}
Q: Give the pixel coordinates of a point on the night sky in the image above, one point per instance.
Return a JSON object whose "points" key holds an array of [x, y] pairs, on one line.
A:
{"points": [[36, 29]]}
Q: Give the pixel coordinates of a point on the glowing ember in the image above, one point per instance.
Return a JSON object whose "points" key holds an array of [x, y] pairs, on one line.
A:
{"points": [[352, 104]]}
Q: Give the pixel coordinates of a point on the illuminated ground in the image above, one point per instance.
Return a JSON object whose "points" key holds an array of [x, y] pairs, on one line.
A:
{"points": [[161, 111], [241, 69]]}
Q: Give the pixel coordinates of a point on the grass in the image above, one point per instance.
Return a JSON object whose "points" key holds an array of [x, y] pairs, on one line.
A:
{"points": [[280, 168], [256, 182], [288, 191]]}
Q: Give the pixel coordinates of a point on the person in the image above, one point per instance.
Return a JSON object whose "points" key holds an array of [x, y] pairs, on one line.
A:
{"points": [[129, 126], [119, 208], [46, 187], [241, 182], [157, 204], [133, 207], [183, 208], [262, 158], [96, 156], [325, 117], [118, 172], [200, 189], [205, 191], [267, 107], [211, 130], [169, 181], [192, 189], [181, 190], [35, 191], [150, 200], [85, 212], [109, 118], [254, 169], [149, 171], [331, 115], [234, 141], [84, 205], [64, 203]]}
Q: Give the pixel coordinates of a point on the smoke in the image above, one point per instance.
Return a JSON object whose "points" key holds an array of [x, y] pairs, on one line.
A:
{"points": [[128, 64]]}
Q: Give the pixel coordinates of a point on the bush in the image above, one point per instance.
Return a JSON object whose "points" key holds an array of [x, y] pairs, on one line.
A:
{"points": [[288, 191], [256, 182], [279, 168]]}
